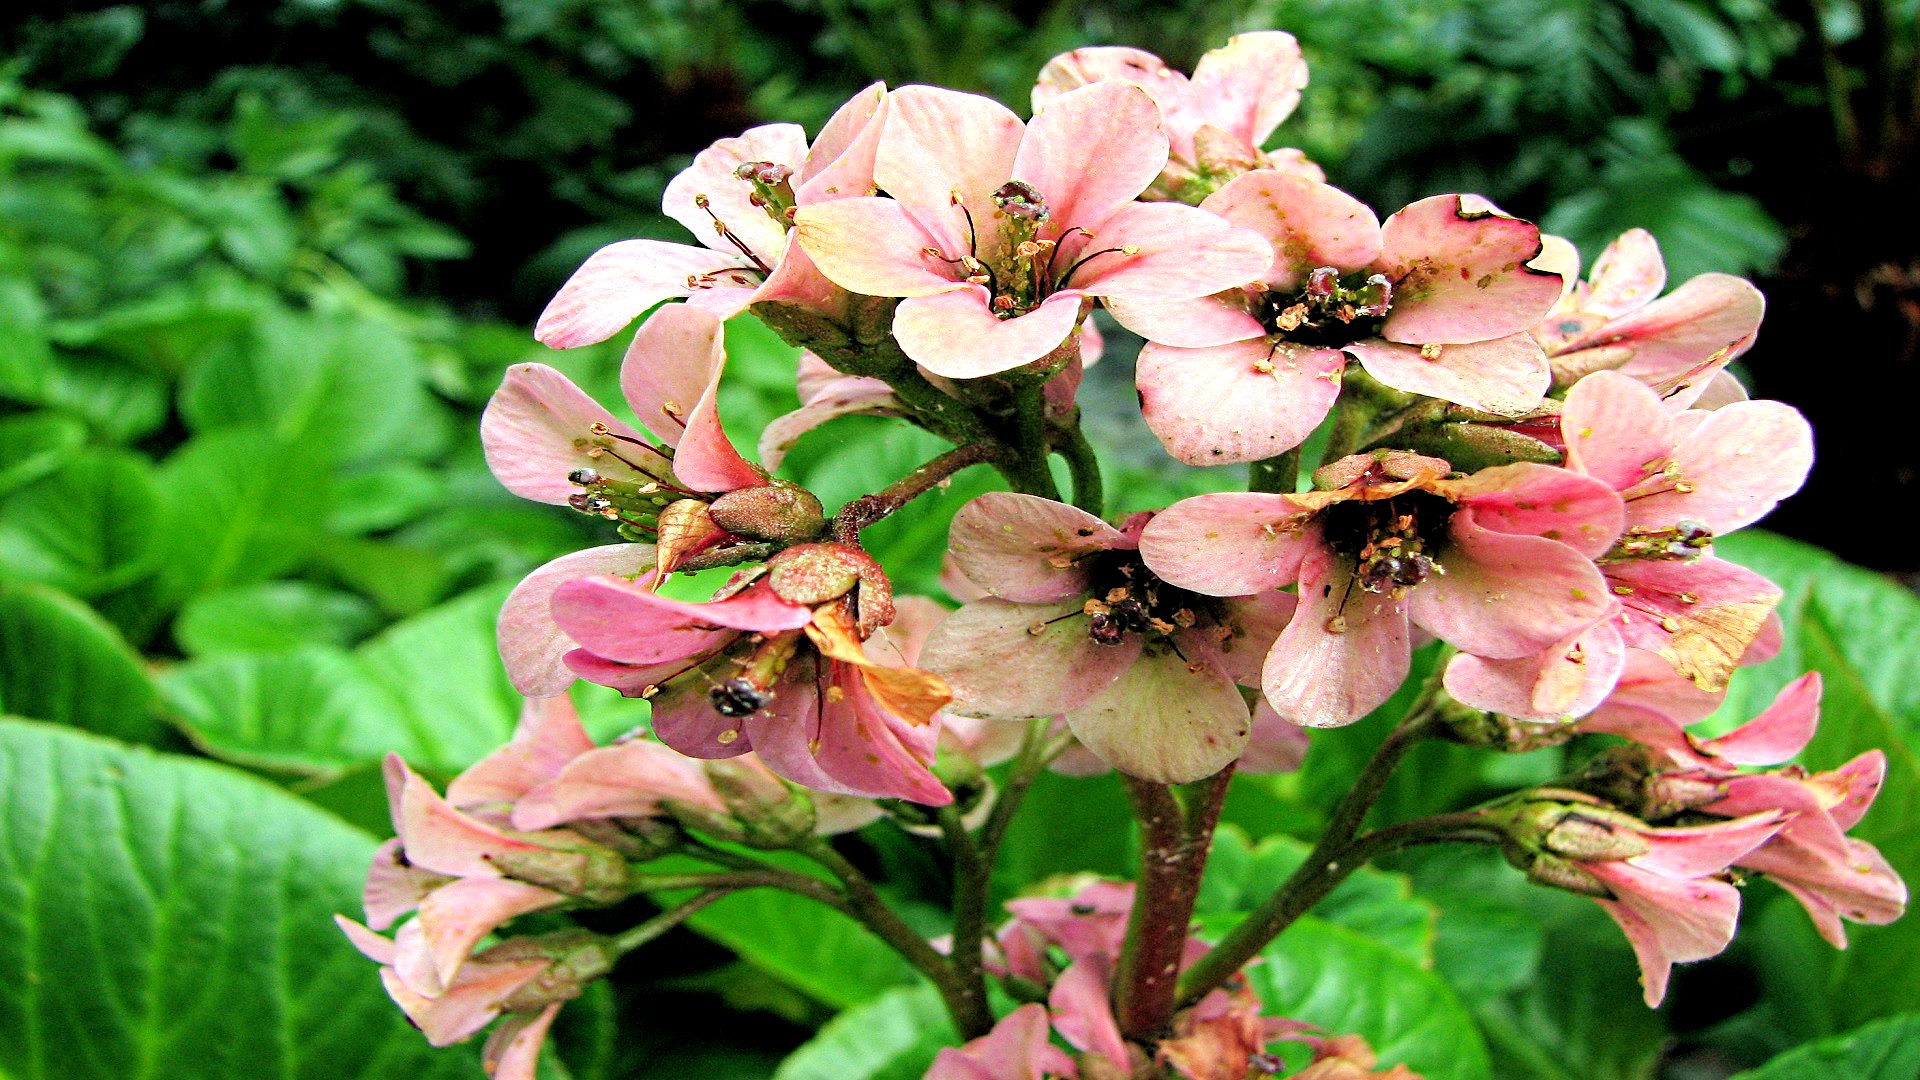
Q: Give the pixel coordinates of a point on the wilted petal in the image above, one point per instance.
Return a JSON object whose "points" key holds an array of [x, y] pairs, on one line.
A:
{"points": [[1710, 317], [1460, 272], [955, 334], [539, 427], [547, 737], [1309, 225], [1025, 548], [1505, 596], [623, 280], [1701, 617], [1508, 375], [1345, 652], [1233, 403], [1090, 152], [1161, 720], [395, 887], [1228, 543], [711, 179], [998, 667]]}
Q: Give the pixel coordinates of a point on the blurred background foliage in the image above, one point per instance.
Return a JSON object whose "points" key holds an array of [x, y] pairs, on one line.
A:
{"points": [[261, 264]]}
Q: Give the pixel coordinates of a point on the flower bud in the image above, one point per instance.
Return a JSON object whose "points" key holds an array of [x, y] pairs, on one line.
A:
{"points": [[590, 871], [1565, 874], [637, 839], [768, 813], [1495, 731], [779, 513], [576, 958], [814, 574]]}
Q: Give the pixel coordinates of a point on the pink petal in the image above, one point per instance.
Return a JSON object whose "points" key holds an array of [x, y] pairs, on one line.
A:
{"points": [[1615, 428], [1162, 721], [840, 163], [628, 779], [672, 378], [1275, 745], [1668, 921], [1700, 616], [1309, 225], [1188, 324], [395, 886], [1025, 548], [844, 396], [1628, 275], [1228, 544], [1167, 251], [548, 736], [1508, 375], [439, 838], [942, 145], [455, 917], [997, 667], [1700, 850], [1505, 596], [1016, 1049], [860, 746], [1860, 887], [1708, 316], [1345, 652], [371, 945], [1233, 403], [531, 643], [711, 177], [1530, 499], [1740, 461], [956, 335], [1249, 625], [872, 246], [471, 1004], [513, 1050], [684, 717], [1559, 256], [1245, 87], [625, 621], [1082, 1007], [538, 428], [1811, 827], [1090, 152], [1778, 733], [1081, 67], [1569, 679], [1460, 272], [620, 281], [1860, 781]]}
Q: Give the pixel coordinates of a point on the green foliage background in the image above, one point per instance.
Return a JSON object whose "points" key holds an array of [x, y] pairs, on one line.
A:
{"points": [[250, 308]]}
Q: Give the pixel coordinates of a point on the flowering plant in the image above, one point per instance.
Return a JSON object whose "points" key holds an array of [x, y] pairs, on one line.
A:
{"points": [[1465, 463]]}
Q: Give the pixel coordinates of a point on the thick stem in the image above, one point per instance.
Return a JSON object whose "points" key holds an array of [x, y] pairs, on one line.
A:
{"points": [[1174, 844], [868, 509], [970, 872], [1028, 471], [1083, 468], [742, 879], [1326, 865], [970, 1013]]}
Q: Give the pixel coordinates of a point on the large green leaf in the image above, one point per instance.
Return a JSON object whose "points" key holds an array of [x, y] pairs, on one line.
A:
{"points": [[1376, 903], [90, 528], [36, 444], [1886, 1050], [310, 711], [162, 917], [240, 507], [61, 661], [441, 672], [272, 616], [892, 1037], [1344, 981]]}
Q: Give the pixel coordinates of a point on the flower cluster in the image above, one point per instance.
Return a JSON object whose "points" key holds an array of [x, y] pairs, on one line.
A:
{"points": [[1528, 469]]}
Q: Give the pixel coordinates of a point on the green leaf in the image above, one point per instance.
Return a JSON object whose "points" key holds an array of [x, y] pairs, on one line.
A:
{"points": [[1344, 982], [162, 917], [893, 1037], [441, 673], [1886, 1050], [34, 445], [272, 616], [60, 661], [1381, 905], [1066, 825], [311, 711], [90, 528], [240, 508], [812, 948]]}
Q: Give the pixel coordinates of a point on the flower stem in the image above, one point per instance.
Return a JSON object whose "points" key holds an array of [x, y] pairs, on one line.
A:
{"points": [[970, 872], [665, 921], [1331, 860], [1032, 758], [1083, 467], [1028, 470], [971, 1016], [868, 509], [1174, 845]]}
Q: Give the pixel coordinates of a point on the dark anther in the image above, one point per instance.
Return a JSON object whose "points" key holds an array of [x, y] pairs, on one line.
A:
{"points": [[583, 477], [738, 697], [1017, 198]]}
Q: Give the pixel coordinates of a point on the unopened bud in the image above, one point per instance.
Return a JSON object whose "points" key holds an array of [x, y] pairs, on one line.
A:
{"points": [[779, 513], [813, 574], [637, 839], [1595, 835], [590, 871]]}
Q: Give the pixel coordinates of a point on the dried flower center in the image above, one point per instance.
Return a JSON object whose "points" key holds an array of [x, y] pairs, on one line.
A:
{"points": [[1390, 541], [1126, 598], [1328, 310]]}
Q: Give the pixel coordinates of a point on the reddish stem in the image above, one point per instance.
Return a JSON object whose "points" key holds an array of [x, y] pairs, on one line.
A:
{"points": [[1174, 845]]}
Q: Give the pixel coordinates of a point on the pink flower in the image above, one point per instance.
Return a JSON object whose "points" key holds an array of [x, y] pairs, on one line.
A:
{"points": [[1497, 564], [1216, 121], [999, 233], [737, 197], [1436, 302], [1088, 928], [1018, 1048], [776, 666], [1222, 1037], [1679, 344], [1074, 624]]}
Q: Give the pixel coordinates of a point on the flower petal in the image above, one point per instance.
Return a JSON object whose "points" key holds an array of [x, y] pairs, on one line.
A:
{"points": [[531, 643], [956, 335], [1167, 251], [627, 779], [942, 151], [872, 246], [1710, 317], [1025, 548], [1246, 87], [1615, 427], [621, 281], [711, 179], [1508, 376], [1233, 403], [1736, 465], [1531, 499], [547, 737], [1163, 721], [1188, 324], [1090, 152], [1460, 272], [627, 622], [1345, 652], [1782, 730], [840, 162], [1505, 596], [1567, 680], [1082, 67], [1627, 275], [1228, 544], [998, 667], [538, 428], [1309, 225]]}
